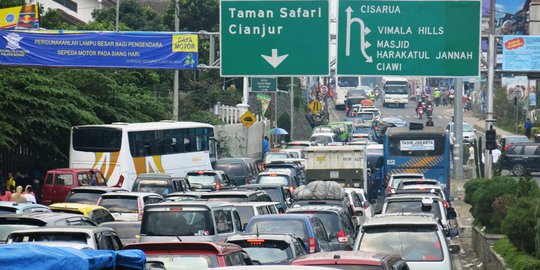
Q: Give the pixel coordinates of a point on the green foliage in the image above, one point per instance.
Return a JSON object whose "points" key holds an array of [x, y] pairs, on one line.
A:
{"points": [[12, 3], [132, 15], [470, 188], [52, 19], [513, 258], [520, 223], [284, 122], [485, 195]]}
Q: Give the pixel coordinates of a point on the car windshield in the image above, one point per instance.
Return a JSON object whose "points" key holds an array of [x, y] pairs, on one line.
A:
{"points": [[295, 227], [272, 157], [232, 169], [374, 112], [266, 179], [413, 207], [330, 220], [83, 197], [467, 128], [120, 204], [412, 243], [366, 116], [177, 222], [184, 261], [202, 179], [350, 266], [267, 251], [7, 210], [162, 187], [348, 81], [51, 237], [397, 180]]}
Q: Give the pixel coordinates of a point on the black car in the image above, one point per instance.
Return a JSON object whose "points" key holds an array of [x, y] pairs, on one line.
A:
{"points": [[353, 99], [337, 221], [237, 195], [278, 193], [240, 170], [209, 180], [521, 156], [295, 167]]}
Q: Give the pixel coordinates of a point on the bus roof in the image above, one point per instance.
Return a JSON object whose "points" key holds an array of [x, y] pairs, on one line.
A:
{"points": [[151, 125], [427, 131]]}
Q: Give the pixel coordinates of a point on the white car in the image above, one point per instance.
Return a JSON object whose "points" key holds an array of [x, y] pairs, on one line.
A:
{"points": [[128, 206], [469, 135], [358, 199], [396, 178], [327, 138]]}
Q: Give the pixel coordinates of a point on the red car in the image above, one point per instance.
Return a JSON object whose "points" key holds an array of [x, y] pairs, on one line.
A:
{"points": [[356, 260], [198, 255], [58, 183]]}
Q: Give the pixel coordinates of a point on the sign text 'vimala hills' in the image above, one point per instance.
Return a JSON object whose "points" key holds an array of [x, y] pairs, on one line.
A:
{"points": [[409, 38], [271, 38]]}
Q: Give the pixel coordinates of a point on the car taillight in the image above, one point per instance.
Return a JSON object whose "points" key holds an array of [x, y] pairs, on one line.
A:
{"points": [[366, 206], [445, 204], [262, 166], [141, 209], [342, 237], [218, 186], [312, 246]]}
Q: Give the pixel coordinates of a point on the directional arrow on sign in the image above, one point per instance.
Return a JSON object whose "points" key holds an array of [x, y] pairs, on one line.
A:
{"points": [[274, 60]]}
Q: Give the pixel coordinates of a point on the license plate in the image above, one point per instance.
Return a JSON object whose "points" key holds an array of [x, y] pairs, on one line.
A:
{"points": [[334, 174]]}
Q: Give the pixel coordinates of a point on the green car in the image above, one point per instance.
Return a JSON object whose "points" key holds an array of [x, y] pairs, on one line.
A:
{"points": [[343, 130]]}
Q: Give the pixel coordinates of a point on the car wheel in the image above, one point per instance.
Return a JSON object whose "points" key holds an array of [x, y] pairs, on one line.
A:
{"points": [[518, 169]]}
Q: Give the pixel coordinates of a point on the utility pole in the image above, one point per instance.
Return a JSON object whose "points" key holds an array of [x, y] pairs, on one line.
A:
{"points": [[176, 72], [117, 15], [292, 109], [488, 160], [458, 130]]}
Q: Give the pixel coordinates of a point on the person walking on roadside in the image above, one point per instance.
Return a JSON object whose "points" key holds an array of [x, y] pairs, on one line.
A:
{"points": [[444, 97], [528, 127], [29, 194], [451, 95], [471, 154], [418, 93], [266, 146], [496, 154], [18, 196]]}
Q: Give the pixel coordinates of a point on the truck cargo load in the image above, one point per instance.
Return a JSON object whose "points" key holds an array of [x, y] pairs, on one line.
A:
{"points": [[343, 164], [320, 190]]}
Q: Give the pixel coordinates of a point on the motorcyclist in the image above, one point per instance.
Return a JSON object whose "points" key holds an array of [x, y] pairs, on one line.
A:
{"points": [[429, 122], [419, 105]]}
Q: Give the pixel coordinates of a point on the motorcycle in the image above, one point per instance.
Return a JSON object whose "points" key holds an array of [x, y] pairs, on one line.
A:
{"points": [[429, 110], [420, 112]]}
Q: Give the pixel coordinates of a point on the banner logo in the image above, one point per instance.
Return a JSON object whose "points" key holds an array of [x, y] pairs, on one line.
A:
{"points": [[13, 40]]}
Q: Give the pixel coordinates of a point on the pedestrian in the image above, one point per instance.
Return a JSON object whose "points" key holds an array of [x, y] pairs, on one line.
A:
{"points": [[266, 146], [471, 154], [528, 127], [18, 196], [444, 97], [29, 194], [451, 95], [437, 96], [5, 194], [418, 93], [93, 178], [10, 182], [496, 153]]}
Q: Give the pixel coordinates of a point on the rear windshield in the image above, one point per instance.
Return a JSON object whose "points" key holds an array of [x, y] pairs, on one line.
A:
{"points": [[274, 194], [412, 243], [177, 223], [162, 187], [295, 227], [124, 230], [246, 212], [183, 261], [83, 197], [330, 220], [5, 230], [275, 156], [233, 169], [120, 204], [7, 210], [202, 179], [296, 146], [350, 266], [273, 180], [267, 252], [51, 237], [413, 207], [225, 198]]}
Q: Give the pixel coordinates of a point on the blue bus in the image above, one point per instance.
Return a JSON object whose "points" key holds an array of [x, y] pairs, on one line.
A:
{"points": [[418, 149]]}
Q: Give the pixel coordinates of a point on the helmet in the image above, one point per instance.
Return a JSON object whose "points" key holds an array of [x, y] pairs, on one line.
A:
{"points": [[429, 118]]}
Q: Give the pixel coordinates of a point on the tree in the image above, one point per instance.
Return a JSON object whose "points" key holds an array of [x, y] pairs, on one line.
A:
{"points": [[12, 3], [520, 223]]}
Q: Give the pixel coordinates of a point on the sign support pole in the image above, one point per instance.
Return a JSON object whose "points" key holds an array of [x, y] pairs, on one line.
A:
{"points": [[458, 130], [292, 110], [176, 72], [488, 160]]}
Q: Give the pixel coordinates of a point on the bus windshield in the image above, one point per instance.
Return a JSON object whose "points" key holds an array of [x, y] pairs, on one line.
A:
{"points": [[395, 89], [348, 81]]}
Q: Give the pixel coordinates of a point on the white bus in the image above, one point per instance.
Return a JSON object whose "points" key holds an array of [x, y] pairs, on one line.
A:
{"points": [[395, 91], [343, 85], [121, 151]]}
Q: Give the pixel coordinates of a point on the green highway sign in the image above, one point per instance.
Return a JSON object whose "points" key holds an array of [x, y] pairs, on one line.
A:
{"points": [[409, 38], [274, 37], [263, 84]]}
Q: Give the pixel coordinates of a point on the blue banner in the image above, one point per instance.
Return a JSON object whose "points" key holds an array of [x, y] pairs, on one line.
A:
{"points": [[521, 53], [150, 50]]}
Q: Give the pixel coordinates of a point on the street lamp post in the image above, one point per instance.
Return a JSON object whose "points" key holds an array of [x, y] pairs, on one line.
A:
{"points": [[117, 14]]}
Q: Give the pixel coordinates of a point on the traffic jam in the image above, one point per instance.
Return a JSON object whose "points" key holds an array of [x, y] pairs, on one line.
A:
{"points": [[329, 201]]}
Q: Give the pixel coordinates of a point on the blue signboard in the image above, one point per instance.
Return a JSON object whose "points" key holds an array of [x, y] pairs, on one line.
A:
{"points": [[521, 53], [100, 49]]}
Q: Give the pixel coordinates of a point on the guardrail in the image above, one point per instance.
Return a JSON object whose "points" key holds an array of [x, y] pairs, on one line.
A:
{"points": [[231, 114]]}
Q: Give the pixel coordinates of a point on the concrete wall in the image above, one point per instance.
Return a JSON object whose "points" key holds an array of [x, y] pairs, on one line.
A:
{"points": [[483, 246], [241, 141]]}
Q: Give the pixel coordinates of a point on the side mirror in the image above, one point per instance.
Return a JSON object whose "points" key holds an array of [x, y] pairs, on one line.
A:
{"points": [[453, 249], [451, 213]]}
